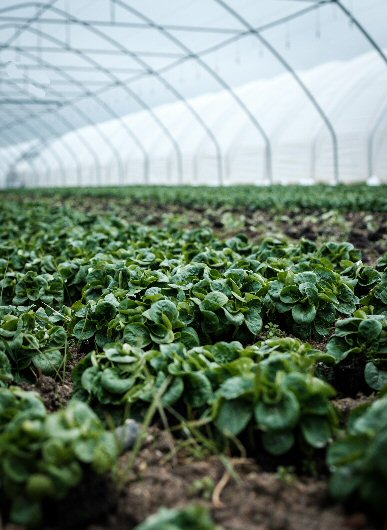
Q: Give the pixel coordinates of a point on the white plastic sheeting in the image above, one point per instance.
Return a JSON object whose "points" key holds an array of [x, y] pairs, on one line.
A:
{"points": [[353, 95]]}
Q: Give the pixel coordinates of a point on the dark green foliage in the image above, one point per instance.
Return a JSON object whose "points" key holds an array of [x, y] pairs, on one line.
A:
{"points": [[347, 198], [358, 460], [189, 518], [362, 337], [43, 455], [182, 310]]}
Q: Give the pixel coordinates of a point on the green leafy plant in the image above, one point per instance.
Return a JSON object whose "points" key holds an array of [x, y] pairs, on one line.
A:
{"points": [[188, 518], [30, 339], [43, 456], [281, 398], [358, 460], [362, 338]]}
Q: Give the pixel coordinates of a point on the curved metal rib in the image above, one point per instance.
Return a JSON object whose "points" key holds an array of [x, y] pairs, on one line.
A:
{"points": [[86, 93], [296, 77], [213, 74]]}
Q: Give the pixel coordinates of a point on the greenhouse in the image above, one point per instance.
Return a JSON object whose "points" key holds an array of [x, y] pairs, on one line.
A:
{"points": [[193, 265], [201, 92]]}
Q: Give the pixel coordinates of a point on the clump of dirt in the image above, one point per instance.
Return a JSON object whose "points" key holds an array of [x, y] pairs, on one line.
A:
{"points": [[54, 395], [346, 405]]}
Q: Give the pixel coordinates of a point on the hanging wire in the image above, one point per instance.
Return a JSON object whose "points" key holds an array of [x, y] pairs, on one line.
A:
{"points": [[216, 65], [287, 36], [67, 24], [112, 12], [237, 52], [318, 24]]}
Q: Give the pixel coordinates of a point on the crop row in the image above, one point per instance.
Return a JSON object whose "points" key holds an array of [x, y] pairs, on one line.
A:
{"points": [[180, 317], [318, 197]]}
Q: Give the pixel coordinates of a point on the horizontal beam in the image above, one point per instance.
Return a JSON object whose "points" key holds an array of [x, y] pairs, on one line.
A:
{"points": [[72, 68], [26, 101], [119, 24], [91, 51]]}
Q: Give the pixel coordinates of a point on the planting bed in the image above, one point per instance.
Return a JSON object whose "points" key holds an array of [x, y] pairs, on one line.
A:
{"points": [[246, 333]]}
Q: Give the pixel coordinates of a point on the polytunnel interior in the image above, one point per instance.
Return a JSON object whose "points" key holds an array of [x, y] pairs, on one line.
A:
{"points": [[192, 92]]}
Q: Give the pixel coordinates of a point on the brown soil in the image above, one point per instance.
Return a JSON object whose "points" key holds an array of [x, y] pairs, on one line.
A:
{"points": [[54, 395], [250, 499]]}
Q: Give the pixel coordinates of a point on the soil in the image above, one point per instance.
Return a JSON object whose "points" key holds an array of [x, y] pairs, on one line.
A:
{"points": [[249, 497], [54, 395]]}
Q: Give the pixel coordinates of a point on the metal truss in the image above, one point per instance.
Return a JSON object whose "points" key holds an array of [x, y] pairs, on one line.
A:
{"points": [[69, 91]]}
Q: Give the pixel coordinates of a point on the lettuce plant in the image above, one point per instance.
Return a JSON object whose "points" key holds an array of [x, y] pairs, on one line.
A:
{"points": [[31, 340], [270, 386], [281, 399], [362, 337], [43, 456], [358, 460], [313, 299]]}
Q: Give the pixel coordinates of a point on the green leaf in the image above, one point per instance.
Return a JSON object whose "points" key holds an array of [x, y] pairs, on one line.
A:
{"points": [[85, 449], [48, 362], [370, 329], [112, 381], [290, 294], [26, 512], [84, 330], [137, 335], [375, 378], [235, 387], [253, 320], [278, 415], [189, 337], [346, 451], [40, 486], [304, 313], [198, 389], [233, 416], [161, 310], [173, 392], [214, 301], [338, 348], [188, 518], [277, 443], [316, 430]]}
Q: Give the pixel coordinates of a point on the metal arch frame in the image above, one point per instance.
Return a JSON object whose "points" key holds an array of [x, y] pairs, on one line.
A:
{"points": [[36, 116], [223, 30], [43, 141], [354, 20], [141, 102], [57, 136], [54, 133], [86, 93], [117, 82], [12, 161], [190, 55], [295, 76], [215, 76], [44, 7], [181, 58], [335, 109], [361, 28], [111, 112], [185, 49]]}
